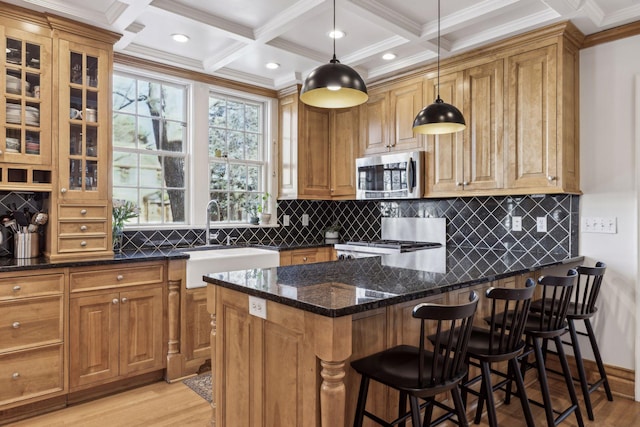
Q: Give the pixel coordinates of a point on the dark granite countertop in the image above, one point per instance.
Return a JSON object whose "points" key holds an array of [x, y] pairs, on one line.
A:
{"points": [[347, 287]]}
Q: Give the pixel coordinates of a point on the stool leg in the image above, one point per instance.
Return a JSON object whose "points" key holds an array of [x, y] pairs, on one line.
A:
{"points": [[415, 411], [362, 401], [524, 401], [402, 407], [488, 389], [584, 385], [457, 401], [596, 354], [544, 385], [480, 405], [569, 380], [428, 412]]}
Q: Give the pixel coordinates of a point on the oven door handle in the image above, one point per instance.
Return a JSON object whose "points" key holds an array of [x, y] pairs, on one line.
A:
{"points": [[411, 175]]}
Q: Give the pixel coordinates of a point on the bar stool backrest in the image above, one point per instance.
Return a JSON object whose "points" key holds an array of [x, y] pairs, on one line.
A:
{"points": [[587, 290], [509, 311], [556, 296], [449, 349]]}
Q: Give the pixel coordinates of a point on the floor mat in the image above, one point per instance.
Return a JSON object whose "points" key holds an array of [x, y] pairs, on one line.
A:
{"points": [[201, 384]]}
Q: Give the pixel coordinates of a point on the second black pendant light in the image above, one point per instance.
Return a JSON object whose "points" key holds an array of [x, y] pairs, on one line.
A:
{"points": [[439, 117]]}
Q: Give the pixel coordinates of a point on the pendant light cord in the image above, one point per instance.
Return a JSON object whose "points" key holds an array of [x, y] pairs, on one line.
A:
{"points": [[334, 30], [438, 90]]}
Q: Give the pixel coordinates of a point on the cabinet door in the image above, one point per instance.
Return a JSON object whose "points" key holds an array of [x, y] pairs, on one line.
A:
{"points": [[25, 83], [314, 177], [531, 98], [344, 150], [141, 331], [198, 327], [406, 103], [288, 117], [445, 152], [84, 99], [483, 137], [93, 338], [374, 132]]}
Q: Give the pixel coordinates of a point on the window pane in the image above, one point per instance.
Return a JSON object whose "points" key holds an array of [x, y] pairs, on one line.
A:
{"points": [[143, 98], [252, 114], [237, 177], [125, 170], [146, 135], [217, 142], [217, 114], [176, 135], [150, 171], [236, 145], [124, 130], [253, 178], [235, 115], [218, 176], [237, 206], [124, 94], [173, 103], [251, 146]]}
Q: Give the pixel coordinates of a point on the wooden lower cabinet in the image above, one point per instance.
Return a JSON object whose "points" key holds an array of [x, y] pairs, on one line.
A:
{"points": [[115, 332], [306, 256]]}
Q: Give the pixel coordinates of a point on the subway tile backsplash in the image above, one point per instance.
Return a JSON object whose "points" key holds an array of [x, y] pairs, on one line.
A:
{"points": [[483, 222]]}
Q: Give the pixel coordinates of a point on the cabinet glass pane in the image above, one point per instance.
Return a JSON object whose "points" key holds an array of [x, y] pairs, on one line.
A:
{"points": [[92, 142], [13, 141], [75, 104], [92, 71], [32, 145], [75, 140], [75, 174], [91, 175], [32, 85], [14, 51], [75, 68], [33, 55]]}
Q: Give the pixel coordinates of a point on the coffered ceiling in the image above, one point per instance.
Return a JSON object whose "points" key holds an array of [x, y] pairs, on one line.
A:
{"points": [[234, 39]]}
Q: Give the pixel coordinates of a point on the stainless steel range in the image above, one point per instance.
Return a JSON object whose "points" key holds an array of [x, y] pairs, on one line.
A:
{"points": [[399, 235]]}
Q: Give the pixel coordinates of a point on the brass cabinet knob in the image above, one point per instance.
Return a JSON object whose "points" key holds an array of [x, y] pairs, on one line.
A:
{"points": [[15, 375], [551, 178], [124, 300], [119, 277], [465, 183], [63, 190], [304, 259], [83, 228], [83, 243], [83, 211], [15, 325], [114, 301], [17, 288]]}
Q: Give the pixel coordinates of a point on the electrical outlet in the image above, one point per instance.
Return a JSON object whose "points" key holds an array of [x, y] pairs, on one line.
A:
{"points": [[516, 223], [606, 225], [305, 220], [257, 307], [286, 219], [541, 224]]}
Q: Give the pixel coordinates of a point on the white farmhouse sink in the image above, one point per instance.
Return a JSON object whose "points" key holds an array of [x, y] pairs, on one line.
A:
{"points": [[203, 262]]}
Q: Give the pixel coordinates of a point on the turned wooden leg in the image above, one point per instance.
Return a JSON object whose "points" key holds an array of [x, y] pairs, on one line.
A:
{"points": [[174, 358], [332, 393]]}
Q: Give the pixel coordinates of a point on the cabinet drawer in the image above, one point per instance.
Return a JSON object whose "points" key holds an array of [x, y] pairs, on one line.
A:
{"points": [[30, 373], [82, 244], [30, 286], [82, 211], [30, 322], [116, 276], [83, 227]]}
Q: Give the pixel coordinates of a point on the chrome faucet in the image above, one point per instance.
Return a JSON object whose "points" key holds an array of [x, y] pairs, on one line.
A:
{"points": [[208, 234]]}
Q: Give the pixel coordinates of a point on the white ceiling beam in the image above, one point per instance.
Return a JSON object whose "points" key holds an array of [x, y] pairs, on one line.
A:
{"points": [[399, 65], [289, 18], [79, 13], [225, 56], [385, 17], [296, 49], [162, 56], [565, 7], [231, 29], [362, 55], [622, 16], [129, 15]]}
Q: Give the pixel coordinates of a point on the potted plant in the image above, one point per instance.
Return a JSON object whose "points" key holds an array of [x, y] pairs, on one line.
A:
{"points": [[263, 209], [252, 212], [332, 231], [123, 211]]}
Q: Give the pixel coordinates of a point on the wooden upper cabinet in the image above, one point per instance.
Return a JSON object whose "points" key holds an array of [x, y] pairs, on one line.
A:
{"points": [[374, 116], [318, 148], [387, 118], [314, 153], [532, 119], [344, 150]]}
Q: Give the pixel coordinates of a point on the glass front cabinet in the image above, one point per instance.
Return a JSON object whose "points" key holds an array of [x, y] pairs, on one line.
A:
{"points": [[26, 87], [84, 122]]}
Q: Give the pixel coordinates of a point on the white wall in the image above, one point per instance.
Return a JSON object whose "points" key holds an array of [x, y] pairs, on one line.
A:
{"points": [[608, 179]]}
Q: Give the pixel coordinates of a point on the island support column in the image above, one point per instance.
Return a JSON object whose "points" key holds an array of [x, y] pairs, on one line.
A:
{"points": [[332, 343]]}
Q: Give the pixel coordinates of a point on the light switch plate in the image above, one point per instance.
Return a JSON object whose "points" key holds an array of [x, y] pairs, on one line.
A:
{"points": [[258, 307], [607, 225], [516, 223], [305, 220]]}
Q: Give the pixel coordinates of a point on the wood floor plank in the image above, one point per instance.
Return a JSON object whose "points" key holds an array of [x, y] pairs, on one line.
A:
{"points": [[168, 405]]}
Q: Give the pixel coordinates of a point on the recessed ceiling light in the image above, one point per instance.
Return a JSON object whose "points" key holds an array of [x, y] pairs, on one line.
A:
{"points": [[389, 56], [272, 65], [180, 38], [337, 34]]}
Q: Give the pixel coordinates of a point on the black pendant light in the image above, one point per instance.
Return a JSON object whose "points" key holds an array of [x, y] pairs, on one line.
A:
{"points": [[439, 117], [334, 85]]}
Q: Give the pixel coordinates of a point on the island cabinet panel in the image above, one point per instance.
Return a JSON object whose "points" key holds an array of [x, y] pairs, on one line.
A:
{"points": [[266, 366], [198, 325]]}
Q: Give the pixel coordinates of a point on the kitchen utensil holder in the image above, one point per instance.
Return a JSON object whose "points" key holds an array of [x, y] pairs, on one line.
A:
{"points": [[26, 245]]}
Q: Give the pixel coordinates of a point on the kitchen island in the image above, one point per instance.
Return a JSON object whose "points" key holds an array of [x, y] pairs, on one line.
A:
{"points": [[282, 338]]}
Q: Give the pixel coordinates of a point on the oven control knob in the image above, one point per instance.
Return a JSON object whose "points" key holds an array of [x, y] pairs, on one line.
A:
{"points": [[350, 257], [341, 257]]}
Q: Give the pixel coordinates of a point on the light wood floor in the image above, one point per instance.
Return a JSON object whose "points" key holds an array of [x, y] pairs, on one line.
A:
{"points": [[162, 404]]}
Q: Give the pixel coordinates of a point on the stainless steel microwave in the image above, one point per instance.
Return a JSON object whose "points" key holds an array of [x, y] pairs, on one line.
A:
{"points": [[390, 176]]}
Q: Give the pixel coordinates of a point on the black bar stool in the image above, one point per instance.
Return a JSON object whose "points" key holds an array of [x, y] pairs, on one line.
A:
{"points": [[549, 323], [419, 373], [502, 341], [583, 307]]}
